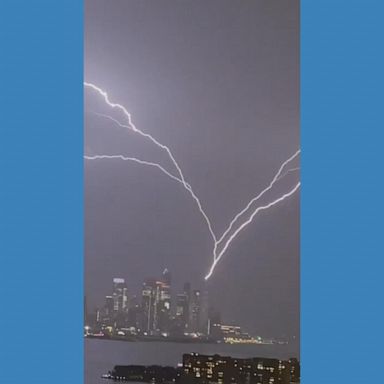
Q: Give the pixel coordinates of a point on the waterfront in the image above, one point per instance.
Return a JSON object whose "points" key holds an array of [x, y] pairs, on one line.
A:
{"points": [[102, 355]]}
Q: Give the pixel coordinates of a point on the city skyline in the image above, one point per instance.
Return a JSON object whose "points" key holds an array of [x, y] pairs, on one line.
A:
{"points": [[161, 312], [159, 309]]}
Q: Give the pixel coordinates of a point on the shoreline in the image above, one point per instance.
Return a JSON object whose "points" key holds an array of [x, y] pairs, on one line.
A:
{"points": [[155, 339]]}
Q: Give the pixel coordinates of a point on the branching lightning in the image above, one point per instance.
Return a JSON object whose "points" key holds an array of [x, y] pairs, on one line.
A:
{"points": [[242, 226], [132, 126], [277, 177], [180, 179], [157, 143], [290, 170], [135, 160]]}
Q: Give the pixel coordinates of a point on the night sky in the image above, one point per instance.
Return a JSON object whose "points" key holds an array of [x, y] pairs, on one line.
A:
{"points": [[218, 82]]}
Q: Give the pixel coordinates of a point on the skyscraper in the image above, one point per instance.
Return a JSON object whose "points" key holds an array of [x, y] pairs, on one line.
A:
{"points": [[134, 314], [182, 309], [187, 290], [164, 303], [187, 293], [148, 303], [204, 313], [195, 311], [109, 305], [156, 305], [182, 312], [120, 295]]}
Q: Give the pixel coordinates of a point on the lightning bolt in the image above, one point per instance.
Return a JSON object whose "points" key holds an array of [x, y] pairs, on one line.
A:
{"points": [[135, 160], [288, 171], [242, 226], [216, 256], [131, 126], [277, 177]]}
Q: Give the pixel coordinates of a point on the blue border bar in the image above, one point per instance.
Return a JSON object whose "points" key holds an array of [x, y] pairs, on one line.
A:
{"points": [[41, 193], [342, 196]]}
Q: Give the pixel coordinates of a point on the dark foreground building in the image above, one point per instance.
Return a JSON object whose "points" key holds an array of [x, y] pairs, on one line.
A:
{"points": [[147, 374], [202, 369], [228, 370]]}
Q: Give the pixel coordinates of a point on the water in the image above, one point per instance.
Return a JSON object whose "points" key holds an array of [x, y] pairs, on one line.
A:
{"points": [[102, 355]]}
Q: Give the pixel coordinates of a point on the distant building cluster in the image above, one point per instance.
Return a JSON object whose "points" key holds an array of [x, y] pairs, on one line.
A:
{"points": [[203, 369], [233, 334], [158, 314], [155, 312]]}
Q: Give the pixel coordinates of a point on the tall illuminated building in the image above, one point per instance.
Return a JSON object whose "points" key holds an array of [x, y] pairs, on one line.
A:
{"points": [[182, 312], [134, 314], [199, 312], [182, 309], [120, 295], [164, 303], [151, 297], [156, 305], [195, 311], [204, 313], [187, 293], [187, 290], [109, 305], [148, 304]]}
